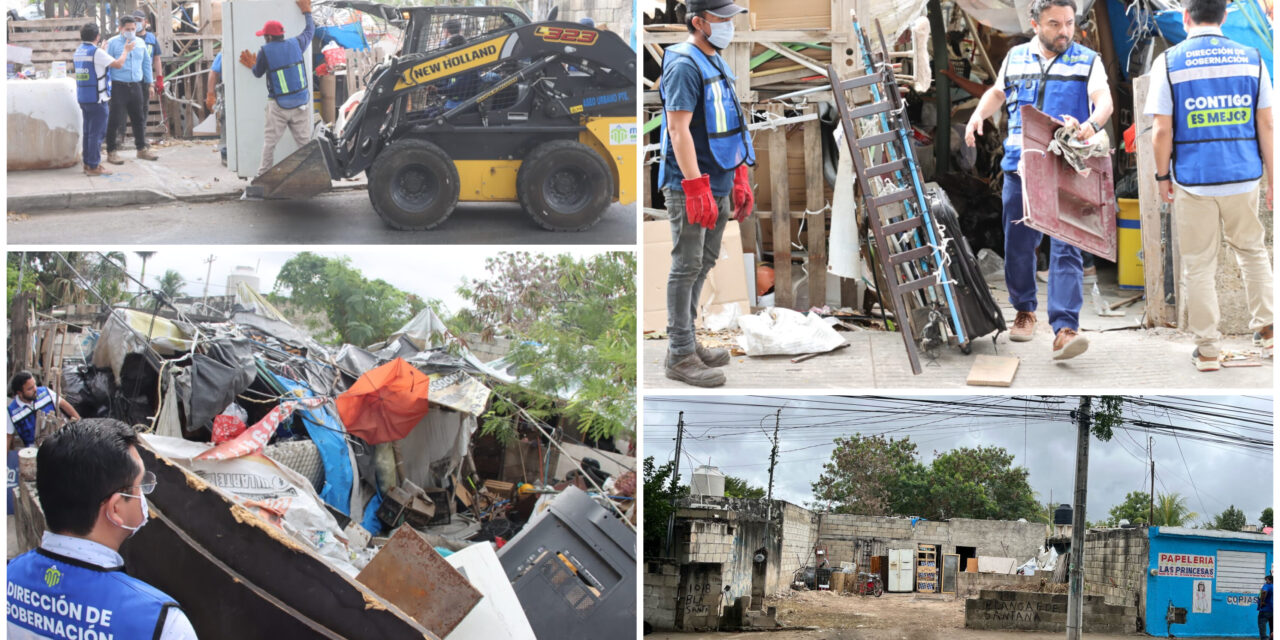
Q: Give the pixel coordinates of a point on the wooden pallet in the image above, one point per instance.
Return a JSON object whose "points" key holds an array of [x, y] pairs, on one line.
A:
{"points": [[50, 40]]}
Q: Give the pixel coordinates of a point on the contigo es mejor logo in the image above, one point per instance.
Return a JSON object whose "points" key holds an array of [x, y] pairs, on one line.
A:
{"points": [[436, 68], [52, 576]]}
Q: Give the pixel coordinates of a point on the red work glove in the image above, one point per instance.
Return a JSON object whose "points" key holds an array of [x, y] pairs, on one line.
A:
{"points": [[160, 84], [744, 201], [699, 203]]}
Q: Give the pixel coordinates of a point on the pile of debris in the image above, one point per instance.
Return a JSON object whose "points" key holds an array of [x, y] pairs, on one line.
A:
{"points": [[323, 487]]}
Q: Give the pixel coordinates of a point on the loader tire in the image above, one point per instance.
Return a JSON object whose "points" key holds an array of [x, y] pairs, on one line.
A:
{"points": [[413, 185], [564, 186]]}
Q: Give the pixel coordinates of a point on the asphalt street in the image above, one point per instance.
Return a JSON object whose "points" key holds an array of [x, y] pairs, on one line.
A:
{"points": [[335, 218]]}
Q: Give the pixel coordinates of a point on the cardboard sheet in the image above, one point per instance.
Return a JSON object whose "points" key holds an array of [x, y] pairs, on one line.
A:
{"points": [[726, 284]]}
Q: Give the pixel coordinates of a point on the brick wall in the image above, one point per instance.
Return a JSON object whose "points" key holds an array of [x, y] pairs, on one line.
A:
{"points": [[799, 533], [661, 580], [846, 535], [1029, 611], [1115, 566], [969, 585]]}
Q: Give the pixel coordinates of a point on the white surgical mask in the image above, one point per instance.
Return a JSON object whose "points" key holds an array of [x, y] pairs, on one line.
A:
{"points": [[130, 34], [721, 34], [142, 499]]}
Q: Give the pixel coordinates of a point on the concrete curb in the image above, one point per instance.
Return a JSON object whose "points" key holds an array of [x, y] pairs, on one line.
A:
{"points": [[122, 197]]}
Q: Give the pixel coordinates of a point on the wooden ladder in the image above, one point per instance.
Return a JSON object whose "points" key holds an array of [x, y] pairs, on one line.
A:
{"points": [[909, 247]]}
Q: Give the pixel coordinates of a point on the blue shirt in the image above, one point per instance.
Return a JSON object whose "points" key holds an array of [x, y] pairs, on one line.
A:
{"points": [[1266, 598], [303, 41], [137, 67], [217, 63], [682, 91]]}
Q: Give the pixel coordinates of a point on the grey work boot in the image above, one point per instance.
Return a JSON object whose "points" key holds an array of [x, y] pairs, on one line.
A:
{"points": [[713, 357], [690, 369], [114, 157]]}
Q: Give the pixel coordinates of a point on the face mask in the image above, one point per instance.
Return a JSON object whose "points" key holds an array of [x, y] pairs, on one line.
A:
{"points": [[721, 34], [142, 499], [130, 35]]}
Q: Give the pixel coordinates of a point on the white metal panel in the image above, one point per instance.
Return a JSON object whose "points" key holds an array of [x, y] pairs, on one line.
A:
{"points": [[1240, 571], [901, 570], [246, 96], [498, 614]]}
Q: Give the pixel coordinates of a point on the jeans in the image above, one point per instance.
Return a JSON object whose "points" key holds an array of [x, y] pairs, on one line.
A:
{"points": [[95, 129], [694, 252], [128, 99], [1066, 270], [1266, 630]]}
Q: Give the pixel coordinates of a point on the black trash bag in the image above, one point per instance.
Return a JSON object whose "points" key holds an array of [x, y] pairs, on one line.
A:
{"points": [[979, 313], [74, 389], [236, 353], [98, 388], [206, 388]]}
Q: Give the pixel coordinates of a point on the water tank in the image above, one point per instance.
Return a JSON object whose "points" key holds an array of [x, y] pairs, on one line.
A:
{"points": [[708, 481], [1062, 515], [243, 274]]}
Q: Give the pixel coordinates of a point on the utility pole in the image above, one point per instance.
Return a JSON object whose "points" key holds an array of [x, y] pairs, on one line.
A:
{"points": [[675, 477], [1075, 596], [207, 274], [1151, 505], [773, 461]]}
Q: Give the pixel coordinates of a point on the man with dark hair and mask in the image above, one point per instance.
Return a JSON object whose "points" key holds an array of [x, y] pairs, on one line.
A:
{"points": [[706, 150], [93, 489], [1065, 80], [28, 398]]}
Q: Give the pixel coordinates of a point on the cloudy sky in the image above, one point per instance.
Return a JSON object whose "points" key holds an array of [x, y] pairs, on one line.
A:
{"points": [[731, 433], [430, 272]]}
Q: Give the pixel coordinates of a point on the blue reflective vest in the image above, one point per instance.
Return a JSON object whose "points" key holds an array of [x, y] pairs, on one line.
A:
{"points": [[286, 74], [62, 597], [1060, 89], [727, 135], [90, 87], [1215, 84], [23, 416]]}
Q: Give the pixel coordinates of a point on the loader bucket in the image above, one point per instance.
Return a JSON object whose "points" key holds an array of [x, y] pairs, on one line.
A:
{"points": [[304, 173]]}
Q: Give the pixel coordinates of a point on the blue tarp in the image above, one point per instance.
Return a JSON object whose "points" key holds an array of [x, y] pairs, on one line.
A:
{"points": [[371, 523], [327, 432], [348, 36], [1245, 24]]}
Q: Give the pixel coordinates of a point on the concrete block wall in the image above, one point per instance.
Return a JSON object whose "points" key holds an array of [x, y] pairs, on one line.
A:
{"points": [[799, 534], [661, 585], [842, 533], [616, 15], [707, 541], [969, 585], [1030, 611], [1115, 565]]}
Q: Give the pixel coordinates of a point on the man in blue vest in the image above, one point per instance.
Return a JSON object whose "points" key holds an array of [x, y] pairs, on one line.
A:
{"points": [[706, 149], [93, 90], [130, 86], [93, 489], [289, 96], [1211, 99], [1266, 604], [29, 399], [1066, 81]]}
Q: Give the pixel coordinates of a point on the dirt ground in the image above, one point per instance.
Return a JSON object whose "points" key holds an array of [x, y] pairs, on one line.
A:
{"points": [[893, 616]]}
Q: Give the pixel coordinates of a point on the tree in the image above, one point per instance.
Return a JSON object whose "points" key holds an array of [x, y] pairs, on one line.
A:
{"points": [[661, 489], [866, 475], [171, 283], [1135, 509], [739, 488], [1172, 511], [360, 310], [979, 483], [145, 255], [573, 325], [1232, 519], [1266, 516], [65, 278]]}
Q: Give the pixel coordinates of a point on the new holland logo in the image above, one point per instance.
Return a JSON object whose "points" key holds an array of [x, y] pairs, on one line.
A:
{"points": [[475, 56], [52, 576]]}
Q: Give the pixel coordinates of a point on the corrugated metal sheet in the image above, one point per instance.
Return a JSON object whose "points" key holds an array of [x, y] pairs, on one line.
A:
{"points": [[1240, 571]]}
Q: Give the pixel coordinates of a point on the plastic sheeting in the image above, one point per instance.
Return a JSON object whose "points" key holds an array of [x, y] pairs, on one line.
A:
{"points": [[434, 450], [209, 385], [779, 331], [348, 36], [845, 259], [327, 432], [386, 402], [128, 332]]}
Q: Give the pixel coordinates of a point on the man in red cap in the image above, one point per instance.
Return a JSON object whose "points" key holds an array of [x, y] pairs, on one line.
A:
{"points": [[284, 64]]}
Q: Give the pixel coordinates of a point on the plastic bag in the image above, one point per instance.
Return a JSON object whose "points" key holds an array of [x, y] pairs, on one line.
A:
{"points": [[779, 331]]}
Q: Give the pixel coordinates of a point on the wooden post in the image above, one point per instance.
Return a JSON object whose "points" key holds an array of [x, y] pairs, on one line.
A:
{"points": [[815, 201], [1159, 314], [783, 296]]}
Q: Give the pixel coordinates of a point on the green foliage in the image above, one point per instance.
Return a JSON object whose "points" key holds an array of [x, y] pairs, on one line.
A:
{"points": [[55, 283], [1232, 519], [573, 325], [1135, 509], [978, 483], [661, 489], [171, 283], [739, 488], [504, 411], [1172, 511], [867, 475], [1107, 415], [1266, 517], [360, 311], [1043, 514]]}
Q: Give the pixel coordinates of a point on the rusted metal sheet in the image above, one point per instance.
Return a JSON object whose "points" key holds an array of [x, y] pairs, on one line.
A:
{"points": [[410, 574], [275, 587], [1076, 209]]}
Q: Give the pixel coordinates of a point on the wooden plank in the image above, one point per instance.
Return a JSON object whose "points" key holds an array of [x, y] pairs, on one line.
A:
{"points": [[781, 190], [816, 212], [1158, 314], [992, 371]]}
